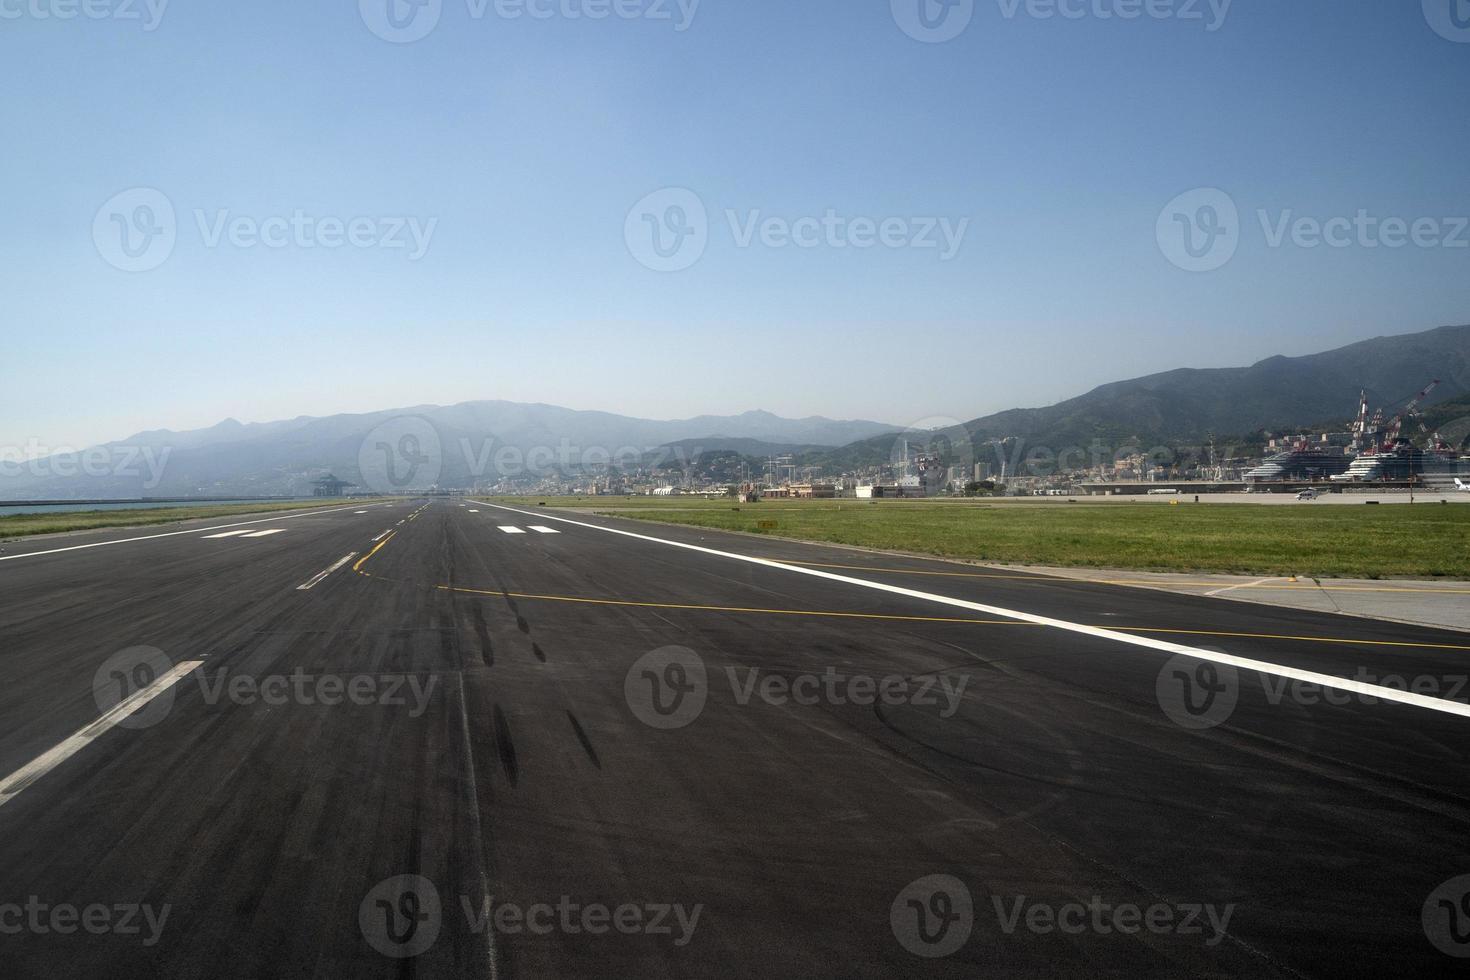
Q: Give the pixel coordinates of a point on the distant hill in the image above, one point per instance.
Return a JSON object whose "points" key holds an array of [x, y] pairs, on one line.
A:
{"points": [[1189, 406], [394, 449], [753, 448], [1450, 419], [1279, 394]]}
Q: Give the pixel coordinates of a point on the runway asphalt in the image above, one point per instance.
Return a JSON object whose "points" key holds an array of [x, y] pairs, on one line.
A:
{"points": [[650, 751]]}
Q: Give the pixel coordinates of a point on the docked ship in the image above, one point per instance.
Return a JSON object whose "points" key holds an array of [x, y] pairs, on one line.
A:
{"points": [[1403, 462], [1302, 464], [1394, 459], [1378, 454]]}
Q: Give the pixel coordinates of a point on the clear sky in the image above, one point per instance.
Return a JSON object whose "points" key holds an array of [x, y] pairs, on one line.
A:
{"points": [[518, 148]]}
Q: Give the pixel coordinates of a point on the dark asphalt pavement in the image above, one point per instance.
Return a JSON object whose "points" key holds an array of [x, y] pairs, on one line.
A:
{"points": [[650, 761]]}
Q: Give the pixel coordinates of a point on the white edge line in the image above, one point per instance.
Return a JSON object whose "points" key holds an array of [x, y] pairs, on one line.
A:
{"points": [[317, 578], [23, 777], [170, 534], [1244, 663]]}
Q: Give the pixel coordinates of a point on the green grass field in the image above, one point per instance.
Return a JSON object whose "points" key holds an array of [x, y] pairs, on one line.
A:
{"points": [[23, 525], [1425, 540]]}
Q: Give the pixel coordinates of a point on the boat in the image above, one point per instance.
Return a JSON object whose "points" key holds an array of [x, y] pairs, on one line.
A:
{"points": [[1403, 462], [1300, 464]]}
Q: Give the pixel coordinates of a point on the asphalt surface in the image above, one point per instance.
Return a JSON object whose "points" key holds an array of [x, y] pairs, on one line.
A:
{"points": [[653, 761]]}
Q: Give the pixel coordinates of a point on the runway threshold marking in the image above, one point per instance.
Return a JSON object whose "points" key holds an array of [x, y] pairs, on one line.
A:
{"points": [[170, 534], [12, 785], [1130, 639], [316, 579], [510, 529], [544, 530]]}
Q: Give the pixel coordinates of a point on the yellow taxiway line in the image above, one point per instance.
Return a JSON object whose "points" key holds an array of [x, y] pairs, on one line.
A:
{"points": [[957, 620]]}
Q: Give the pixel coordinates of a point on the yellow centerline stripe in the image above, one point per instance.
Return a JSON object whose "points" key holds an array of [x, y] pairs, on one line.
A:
{"points": [[363, 560]]}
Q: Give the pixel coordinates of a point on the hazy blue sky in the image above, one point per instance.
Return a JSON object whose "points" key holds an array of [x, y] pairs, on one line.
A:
{"points": [[528, 140]]}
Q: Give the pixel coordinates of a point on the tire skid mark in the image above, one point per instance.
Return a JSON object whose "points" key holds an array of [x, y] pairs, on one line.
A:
{"points": [[506, 747], [482, 631], [582, 737]]}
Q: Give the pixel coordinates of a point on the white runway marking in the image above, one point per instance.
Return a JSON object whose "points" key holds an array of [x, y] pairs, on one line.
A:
{"points": [[359, 512], [508, 529], [383, 535], [227, 534], [12, 785], [1243, 585], [317, 578], [264, 534], [473, 511], [1243, 663], [544, 530], [169, 534]]}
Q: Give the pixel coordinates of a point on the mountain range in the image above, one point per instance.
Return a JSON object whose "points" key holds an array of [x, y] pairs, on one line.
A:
{"points": [[459, 445], [393, 449]]}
